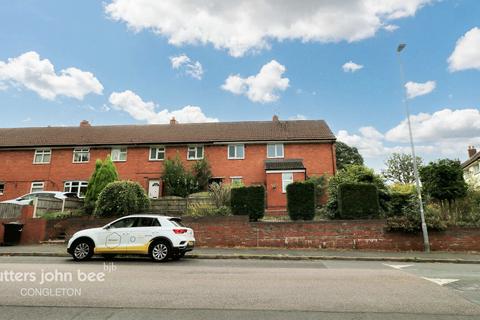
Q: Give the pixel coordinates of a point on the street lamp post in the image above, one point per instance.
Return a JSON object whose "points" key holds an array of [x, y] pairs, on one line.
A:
{"points": [[426, 243]]}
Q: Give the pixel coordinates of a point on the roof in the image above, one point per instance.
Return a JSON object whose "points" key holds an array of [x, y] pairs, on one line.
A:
{"points": [[471, 160], [284, 164], [166, 133]]}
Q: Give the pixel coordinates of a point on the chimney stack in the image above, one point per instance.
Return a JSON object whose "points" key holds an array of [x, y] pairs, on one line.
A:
{"points": [[173, 121], [471, 151], [275, 118], [84, 123]]}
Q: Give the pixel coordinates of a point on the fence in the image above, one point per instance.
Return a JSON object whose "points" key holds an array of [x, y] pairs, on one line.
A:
{"points": [[10, 210], [44, 205], [176, 205]]}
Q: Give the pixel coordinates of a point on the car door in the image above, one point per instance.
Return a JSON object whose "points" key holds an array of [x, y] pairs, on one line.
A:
{"points": [[114, 238], [145, 229]]}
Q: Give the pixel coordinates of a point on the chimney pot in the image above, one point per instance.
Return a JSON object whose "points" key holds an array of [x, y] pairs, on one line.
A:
{"points": [[84, 123], [173, 121], [275, 118], [471, 151]]}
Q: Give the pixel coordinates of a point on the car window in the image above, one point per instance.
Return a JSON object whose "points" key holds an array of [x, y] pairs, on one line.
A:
{"points": [[46, 195], [27, 197], [147, 222], [177, 222], [124, 223]]}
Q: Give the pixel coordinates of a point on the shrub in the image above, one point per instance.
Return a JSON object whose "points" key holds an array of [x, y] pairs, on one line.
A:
{"points": [[358, 201], [202, 209], [248, 201], [176, 180], [301, 200], [202, 173], [105, 172], [220, 194], [320, 183], [121, 198]]}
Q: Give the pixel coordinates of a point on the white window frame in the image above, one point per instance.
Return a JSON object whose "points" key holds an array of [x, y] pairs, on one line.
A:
{"points": [[236, 157], [276, 146], [238, 178], [69, 184], [2, 188], [81, 151], [120, 152], [37, 185], [287, 178], [195, 148], [42, 152], [157, 152]]}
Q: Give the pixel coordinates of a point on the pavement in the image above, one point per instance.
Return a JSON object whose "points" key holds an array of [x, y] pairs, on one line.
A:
{"points": [[59, 250], [57, 288]]}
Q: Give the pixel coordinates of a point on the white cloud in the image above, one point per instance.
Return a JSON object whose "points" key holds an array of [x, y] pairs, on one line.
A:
{"points": [[261, 87], [466, 54], [415, 89], [27, 70], [133, 104], [249, 26], [191, 68], [391, 27], [351, 66]]}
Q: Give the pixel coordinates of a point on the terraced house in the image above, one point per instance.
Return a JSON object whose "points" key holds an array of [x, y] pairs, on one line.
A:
{"points": [[272, 153]]}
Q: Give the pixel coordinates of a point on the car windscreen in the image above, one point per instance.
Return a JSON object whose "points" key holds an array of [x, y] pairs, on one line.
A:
{"points": [[177, 222]]}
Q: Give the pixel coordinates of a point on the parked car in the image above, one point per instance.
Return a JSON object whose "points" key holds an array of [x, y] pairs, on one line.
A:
{"points": [[159, 237], [27, 198]]}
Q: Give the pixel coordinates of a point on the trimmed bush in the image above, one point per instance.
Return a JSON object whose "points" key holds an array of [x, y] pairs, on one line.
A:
{"points": [[105, 172], [301, 200], [248, 201], [358, 201], [121, 198]]}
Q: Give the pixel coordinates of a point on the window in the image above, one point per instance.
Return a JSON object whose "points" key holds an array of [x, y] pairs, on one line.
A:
{"points": [[77, 187], [81, 155], [195, 153], [119, 154], [37, 186], [287, 178], [42, 156], [275, 150], [2, 188], [157, 153], [147, 222], [236, 181], [124, 223], [236, 151]]}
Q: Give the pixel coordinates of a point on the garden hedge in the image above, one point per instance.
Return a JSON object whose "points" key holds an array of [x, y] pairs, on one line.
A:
{"points": [[121, 198], [301, 200], [358, 201], [248, 201]]}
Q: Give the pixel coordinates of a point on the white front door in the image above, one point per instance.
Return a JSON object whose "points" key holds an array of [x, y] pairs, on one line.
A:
{"points": [[153, 189]]}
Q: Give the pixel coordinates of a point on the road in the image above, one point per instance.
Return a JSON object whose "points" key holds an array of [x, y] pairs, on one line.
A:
{"points": [[58, 288]]}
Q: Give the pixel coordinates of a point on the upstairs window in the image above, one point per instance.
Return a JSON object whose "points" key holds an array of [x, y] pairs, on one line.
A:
{"points": [[195, 153], [37, 186], [2, 188], [77, 187], [119, 154], [81, 155], [236, 151], [157, 153], [42, 156], [275, 150]]}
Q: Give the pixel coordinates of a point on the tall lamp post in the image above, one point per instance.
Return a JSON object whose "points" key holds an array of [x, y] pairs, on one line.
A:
{"points": [[426, 243]]}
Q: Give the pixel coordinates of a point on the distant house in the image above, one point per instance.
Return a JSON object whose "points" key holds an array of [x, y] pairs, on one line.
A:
{"points": [[471, 167], [272, 153]]}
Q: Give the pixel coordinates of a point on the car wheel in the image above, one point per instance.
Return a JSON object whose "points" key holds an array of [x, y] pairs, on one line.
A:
{"points": [[160, 251], [82, 250]]}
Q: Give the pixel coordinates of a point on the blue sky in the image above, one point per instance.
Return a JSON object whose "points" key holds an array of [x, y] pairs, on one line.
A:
{"points": [[122, 51]]}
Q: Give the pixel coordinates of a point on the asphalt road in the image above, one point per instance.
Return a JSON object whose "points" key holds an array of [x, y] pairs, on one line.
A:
{"points": [[58, 288]]}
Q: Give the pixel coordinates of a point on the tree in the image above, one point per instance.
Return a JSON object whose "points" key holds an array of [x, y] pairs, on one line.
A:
{"points": [[346, 155], [443, 180], [105, 172], [202, 173], [121, 198], [176, 180], [400, 168]]}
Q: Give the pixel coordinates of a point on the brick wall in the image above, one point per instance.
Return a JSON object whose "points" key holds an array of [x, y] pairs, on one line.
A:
{"points": [[237, 231], [34, 230]]}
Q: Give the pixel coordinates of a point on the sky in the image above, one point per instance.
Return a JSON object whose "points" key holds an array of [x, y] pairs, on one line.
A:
{"points": [[146, 61]]}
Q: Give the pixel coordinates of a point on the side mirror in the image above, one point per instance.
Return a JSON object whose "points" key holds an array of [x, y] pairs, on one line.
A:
{"points": [[106, 227]]}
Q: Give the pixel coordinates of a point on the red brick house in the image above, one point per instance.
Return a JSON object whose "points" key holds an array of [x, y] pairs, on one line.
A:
{"points": [[272, 153]]}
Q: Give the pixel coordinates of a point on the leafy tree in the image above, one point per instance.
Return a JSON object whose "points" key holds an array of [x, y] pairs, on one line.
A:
{"points": [[121, 198], [355, 174], [176, 180], [400, 168], [346, 155], [443, 180], [105, 172], [202, 173], [320, 183]]}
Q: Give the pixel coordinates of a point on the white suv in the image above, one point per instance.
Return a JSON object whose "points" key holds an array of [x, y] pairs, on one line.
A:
{"points": [[160, 237]]}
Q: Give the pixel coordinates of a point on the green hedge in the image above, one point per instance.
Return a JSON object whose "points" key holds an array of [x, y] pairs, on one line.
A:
{"points": [[301, 200], [121, 198], [248, 201], [358, 201]]}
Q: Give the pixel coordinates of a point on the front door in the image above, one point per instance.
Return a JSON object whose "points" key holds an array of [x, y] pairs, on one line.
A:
{"points": [[153, 189]]}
